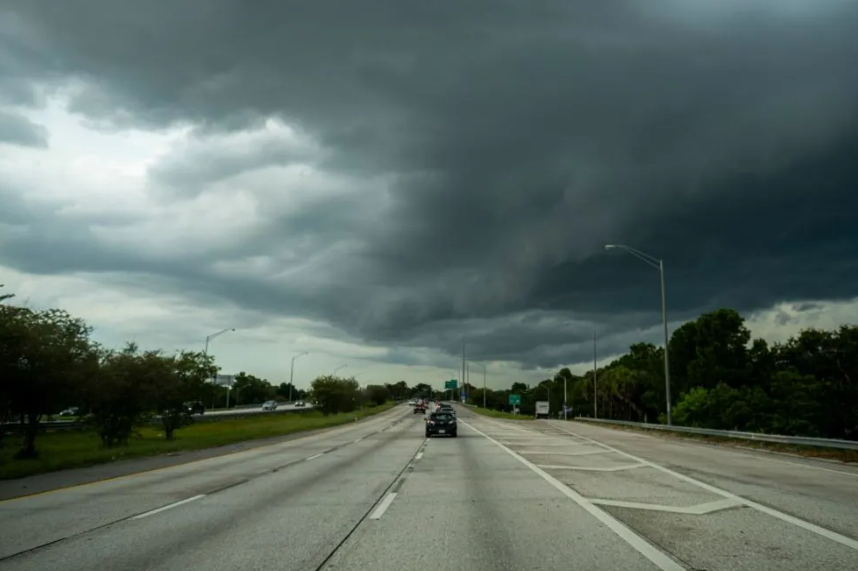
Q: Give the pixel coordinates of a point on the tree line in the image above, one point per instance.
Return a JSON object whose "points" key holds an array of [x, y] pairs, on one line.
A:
{"points": [[721, 378], [50, 362]]}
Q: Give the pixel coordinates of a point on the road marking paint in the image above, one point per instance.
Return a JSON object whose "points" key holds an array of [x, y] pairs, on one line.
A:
{"points": [[314, 457], [582, 453], [358, 440], [806, 525], [382, 507], [700, 509], [590, 468], [419, 456], [547, 444], [169, 507], [662, 561]]}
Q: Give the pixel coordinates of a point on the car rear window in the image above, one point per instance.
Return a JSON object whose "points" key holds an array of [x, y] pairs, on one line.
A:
{"points": [[441, 416]]}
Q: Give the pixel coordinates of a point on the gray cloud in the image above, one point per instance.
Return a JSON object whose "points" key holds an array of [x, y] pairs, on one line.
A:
{"points": [[18, 130], [512, 141]]}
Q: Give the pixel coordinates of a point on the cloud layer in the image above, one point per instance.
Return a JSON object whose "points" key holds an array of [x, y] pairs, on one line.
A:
{"points": [[413, 173]]}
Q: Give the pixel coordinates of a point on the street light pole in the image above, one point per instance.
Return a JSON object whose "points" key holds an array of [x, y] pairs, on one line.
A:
{"points": [[659, 265], [206, 353], [292, 373]]}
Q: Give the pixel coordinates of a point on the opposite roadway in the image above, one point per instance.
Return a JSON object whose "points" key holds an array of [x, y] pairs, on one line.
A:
{"points": [[504, 495]]}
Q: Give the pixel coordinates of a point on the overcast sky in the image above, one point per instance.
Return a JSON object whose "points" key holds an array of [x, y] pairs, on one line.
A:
{"points": [[373, 181]]}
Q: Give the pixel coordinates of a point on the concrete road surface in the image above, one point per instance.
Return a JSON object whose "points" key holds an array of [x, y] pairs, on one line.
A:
{"points": [[504, 495]]}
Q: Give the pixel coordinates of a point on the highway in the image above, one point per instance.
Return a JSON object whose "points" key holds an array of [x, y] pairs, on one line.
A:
{"points": [[504, 495], [256, 409]]}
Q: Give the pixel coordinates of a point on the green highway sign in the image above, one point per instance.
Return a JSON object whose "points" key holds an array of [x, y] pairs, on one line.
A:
{"points": [[514, 400], [451, 384]]}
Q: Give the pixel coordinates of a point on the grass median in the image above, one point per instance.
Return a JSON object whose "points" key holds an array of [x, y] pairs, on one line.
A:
{"points": [[64, 450]]}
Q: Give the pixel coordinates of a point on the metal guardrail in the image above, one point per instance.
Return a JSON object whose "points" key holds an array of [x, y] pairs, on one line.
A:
{"points": [[774, 438], [67, 425]]}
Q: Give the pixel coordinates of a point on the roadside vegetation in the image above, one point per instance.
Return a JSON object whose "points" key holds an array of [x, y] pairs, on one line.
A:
{"points": [[132, 402], [75, 449], [721, 378]]}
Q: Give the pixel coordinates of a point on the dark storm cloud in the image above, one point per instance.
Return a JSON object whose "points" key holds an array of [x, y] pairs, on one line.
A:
{"points": [[517, 138], [16, 129]]}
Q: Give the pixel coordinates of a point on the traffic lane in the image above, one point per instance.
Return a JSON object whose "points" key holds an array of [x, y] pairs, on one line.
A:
{"points": [[36, 520], [701, 525], [820, 492], [467, 504], [288, 520]]}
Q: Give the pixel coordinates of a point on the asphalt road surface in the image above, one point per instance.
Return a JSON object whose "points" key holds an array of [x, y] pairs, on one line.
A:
{"points": [[504, 495]]}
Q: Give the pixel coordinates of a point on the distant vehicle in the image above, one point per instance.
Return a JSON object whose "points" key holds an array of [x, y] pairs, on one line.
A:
{"points": [[269, 405], [442, 423], [420, 407], [195, 407], [448, 408], [300, 404], [542, 409], [412, 402]]}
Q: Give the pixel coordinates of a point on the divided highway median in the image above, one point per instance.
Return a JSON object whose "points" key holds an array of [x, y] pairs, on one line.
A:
{"points": [[76, 449]]}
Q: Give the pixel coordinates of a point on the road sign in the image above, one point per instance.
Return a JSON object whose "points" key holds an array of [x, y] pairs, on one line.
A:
{"points": [[224, 380], [462, 396], [451, 384], [514, 400]]}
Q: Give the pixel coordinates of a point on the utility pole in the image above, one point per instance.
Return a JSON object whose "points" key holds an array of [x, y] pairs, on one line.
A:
{"points": [[463, 361], [484, 386], [595, 399]]}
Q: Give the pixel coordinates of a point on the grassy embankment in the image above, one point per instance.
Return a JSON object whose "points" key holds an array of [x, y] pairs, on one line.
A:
{"points": [[63, 450]]}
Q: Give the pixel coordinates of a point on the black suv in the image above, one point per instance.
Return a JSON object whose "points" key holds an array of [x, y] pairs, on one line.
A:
{"points": [[195, 407], [441, 423]]}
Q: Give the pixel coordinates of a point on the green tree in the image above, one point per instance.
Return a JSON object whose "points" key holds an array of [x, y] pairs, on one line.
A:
{"points": [[43, 355], [182, 378], [377, 394], [249, 389], [333, 395], [119, 395]]}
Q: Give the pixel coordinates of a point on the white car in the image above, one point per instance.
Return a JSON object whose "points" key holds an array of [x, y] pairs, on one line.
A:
{"points": [[269, 405]]}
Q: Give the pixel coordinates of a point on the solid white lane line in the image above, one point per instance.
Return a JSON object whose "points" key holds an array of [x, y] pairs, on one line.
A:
{"points": [[827, 533], [314, 457], [169, 507], [382, 507], [659, 559]]}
